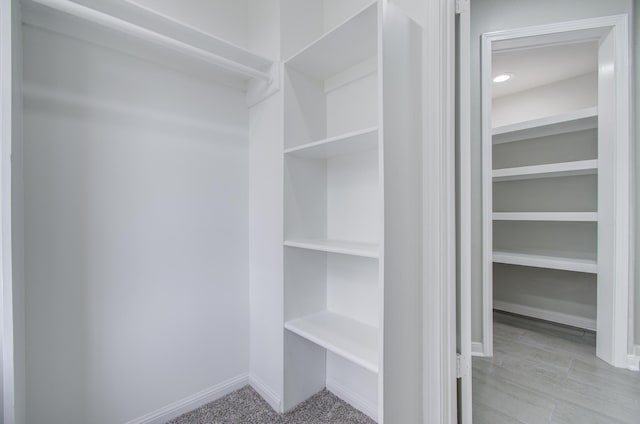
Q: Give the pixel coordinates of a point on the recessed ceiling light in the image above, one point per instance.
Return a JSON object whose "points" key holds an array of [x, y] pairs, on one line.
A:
{"points": [[502, 77]]}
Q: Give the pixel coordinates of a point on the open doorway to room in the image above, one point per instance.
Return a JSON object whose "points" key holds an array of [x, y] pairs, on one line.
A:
{"points": [[550, 312]]}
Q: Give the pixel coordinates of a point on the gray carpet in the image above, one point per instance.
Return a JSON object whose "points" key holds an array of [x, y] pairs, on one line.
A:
{"points": [[246, 406]]}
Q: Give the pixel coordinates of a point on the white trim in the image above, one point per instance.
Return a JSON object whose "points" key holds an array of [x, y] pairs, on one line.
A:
{"points": [[487, 198], [477, 349], [269, 395], [545, 314], [439, 232], [622, 208], [633, 359], [466, 347], [11, 321], [353, 399], [175, 409]]}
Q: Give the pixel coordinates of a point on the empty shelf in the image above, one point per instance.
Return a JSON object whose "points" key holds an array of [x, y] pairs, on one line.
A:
{"points": [[565, 169], [578, 120], [345, 144], [348, 44], [368, 250], [350, 339], [550, 262], [128, 24], [546, 216]]}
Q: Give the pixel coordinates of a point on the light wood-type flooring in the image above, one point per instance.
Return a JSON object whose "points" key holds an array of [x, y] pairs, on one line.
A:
{"points": [[548, 373]]}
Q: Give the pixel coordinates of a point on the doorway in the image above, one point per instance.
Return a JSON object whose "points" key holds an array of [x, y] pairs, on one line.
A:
{"points": [[555, 230]]}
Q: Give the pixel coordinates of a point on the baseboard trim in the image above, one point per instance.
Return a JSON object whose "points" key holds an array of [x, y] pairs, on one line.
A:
{"points": [[477, 349], [559, 317], [633, 359], [270, 396], [353, 399], [175, 409]]}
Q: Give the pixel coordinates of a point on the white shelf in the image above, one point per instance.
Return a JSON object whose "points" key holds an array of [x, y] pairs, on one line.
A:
{"points": [[349, 44], [578, 120], [345, 144], [550, 262], [352, 340], [546, 216], [367, 250], [564, 169], [136, 29]]}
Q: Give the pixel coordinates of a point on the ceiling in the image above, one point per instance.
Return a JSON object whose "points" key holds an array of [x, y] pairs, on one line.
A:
{"points": [[534, 67]]}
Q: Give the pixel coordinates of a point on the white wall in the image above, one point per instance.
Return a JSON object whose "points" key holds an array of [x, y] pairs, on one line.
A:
{"points": [[547, 100], [265, 217], [136, 187], [494, 15]]}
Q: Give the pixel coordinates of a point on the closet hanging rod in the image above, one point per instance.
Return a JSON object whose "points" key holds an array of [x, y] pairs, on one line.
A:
{"points": [[111, 22]]}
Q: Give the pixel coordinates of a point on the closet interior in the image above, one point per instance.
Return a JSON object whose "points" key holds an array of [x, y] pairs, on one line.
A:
{"points": [[218, 194], [544, 185]]}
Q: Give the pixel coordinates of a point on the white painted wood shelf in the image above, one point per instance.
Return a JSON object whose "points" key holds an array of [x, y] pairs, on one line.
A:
{"points": [[582, 119], [367, 250], [546, 216], [553, 170], [355, 141], [350, 339], [586, 265], [126, 24], [347, 45]]}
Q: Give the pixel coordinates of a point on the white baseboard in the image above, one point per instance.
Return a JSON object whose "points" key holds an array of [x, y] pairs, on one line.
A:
{"points": [[267, 394], [559, 317], [173, 410], [633, 359], [353, 399], [477, 349]]}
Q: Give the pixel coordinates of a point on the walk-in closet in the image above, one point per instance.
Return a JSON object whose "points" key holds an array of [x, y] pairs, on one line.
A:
{"points": [[544, 182], [209, 195]]}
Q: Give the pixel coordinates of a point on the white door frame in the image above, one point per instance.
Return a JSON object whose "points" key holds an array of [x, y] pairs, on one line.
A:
{"points": [[7, 68], [463, 98], [439, 232], [613, 297]]}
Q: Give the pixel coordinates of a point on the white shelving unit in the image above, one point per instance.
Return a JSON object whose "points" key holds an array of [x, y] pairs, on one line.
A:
{"points": [[578, 120], [352, 142], [330, 54], [141, 31], [365, 250], [553, 170], [343, 336], [338, 208], [545, 261], [532, 238], [546, 216]]}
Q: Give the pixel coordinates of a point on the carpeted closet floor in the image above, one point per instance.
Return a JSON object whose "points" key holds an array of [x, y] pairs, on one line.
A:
{"points": [[247, 407]]}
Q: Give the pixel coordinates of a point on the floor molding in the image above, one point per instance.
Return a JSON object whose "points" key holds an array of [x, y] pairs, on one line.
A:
{"points": [[477, 349], [559, 317], [267, 394], [353, 399], [633, 359], [175, 409]]}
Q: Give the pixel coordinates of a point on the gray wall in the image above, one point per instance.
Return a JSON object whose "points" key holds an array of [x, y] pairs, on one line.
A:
{"points": [[494, 15]]}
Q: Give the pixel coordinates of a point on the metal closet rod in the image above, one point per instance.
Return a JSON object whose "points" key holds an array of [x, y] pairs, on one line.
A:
{"points": [[123, 26]]}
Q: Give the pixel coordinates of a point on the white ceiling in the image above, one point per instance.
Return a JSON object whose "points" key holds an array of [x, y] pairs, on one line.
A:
{"points": [[534, 67]]}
